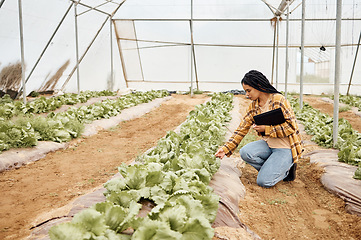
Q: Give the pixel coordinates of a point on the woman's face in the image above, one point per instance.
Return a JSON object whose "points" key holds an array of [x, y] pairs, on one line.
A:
{"points": [[251, 93]]}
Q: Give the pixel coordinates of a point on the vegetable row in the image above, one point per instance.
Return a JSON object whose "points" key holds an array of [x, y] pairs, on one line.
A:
{"points": [[351, 100], [173, 177], [320, 126], [26, 130], [10, 108]]}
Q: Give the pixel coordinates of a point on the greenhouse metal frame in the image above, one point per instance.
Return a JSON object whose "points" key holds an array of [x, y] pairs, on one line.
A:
{"points": [[283, 9]]}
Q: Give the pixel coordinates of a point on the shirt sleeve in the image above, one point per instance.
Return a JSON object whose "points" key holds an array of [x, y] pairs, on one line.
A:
{"points": [[240, 132]]}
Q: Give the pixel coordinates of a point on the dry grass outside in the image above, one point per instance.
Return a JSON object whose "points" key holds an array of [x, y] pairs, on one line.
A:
{"points": [[10, 77], [51, 83]]}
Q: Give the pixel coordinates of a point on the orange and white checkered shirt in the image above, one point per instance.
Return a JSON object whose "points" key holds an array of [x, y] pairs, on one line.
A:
{"points": [[287, 129]]}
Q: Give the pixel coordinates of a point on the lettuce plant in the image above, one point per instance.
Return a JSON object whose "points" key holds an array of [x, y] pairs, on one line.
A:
{"points": [[10, 108], [320, 125], [174, 177], [25, 130]]}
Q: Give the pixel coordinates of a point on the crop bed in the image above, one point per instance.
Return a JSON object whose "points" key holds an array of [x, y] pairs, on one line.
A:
{"points": [[52, 182]]}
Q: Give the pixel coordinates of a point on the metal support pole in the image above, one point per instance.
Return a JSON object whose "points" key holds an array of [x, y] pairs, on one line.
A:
{"points": [[193, 55], [354, 63], [92, 8], [116, 35], [337, 72], [22, 49], [1, 3], [302, 51], [274, 48], [47, 45], [121, 57], [191, 90], [195, 64], [277, 48], [136, 42], [77, 46], [287, 35], [111, 53], [86, 51]]}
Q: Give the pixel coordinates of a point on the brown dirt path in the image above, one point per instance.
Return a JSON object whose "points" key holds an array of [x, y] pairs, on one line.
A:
{"points": [[61, 176], [302, 209]]}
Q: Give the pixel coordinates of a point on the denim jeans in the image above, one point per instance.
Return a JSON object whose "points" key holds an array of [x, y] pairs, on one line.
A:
{"points": [[272, 164]]}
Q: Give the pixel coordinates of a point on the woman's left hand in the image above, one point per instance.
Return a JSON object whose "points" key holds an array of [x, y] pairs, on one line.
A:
{"points": [[259, 128], [220, 153]]}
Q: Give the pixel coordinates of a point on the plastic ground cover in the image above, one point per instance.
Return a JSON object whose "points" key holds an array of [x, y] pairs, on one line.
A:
{"points": [[338, 178]]}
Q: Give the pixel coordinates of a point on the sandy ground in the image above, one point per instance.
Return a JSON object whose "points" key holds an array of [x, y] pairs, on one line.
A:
{"points": [[302, 209]]}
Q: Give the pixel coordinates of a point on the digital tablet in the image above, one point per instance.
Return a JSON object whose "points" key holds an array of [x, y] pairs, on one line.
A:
{"points": [[273, 117]]}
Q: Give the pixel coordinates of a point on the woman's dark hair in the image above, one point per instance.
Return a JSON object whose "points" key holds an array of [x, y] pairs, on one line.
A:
{"points": [[258, 81]]}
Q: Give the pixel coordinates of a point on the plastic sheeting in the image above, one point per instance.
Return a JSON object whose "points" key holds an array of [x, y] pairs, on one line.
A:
{"points": [[338, 178]]}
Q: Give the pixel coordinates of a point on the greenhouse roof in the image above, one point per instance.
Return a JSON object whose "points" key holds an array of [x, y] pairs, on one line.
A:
{"points": [[227, 38]]}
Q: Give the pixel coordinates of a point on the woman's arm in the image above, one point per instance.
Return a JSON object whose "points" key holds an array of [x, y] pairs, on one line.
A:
{"points": [[233, 142]]}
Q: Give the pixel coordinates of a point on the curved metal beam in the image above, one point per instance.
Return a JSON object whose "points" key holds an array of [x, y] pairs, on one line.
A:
{"points": [[1, 3], [273, 9]]}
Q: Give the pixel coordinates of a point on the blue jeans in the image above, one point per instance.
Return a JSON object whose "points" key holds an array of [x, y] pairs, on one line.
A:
{"points": [[272, 164]]}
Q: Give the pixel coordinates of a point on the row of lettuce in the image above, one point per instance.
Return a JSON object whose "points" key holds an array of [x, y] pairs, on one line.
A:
{"points": [[24, 128], [10, 108], [173, 177], [351, 100], [320, 126]]}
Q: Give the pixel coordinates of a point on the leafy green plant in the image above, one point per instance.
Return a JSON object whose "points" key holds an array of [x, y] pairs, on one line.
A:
{"points": [[344, 108], [27, 129], [321, 127], [195, 91], [357, 174], [174, 176], [10, 108], [34, 94], [351, 100]]}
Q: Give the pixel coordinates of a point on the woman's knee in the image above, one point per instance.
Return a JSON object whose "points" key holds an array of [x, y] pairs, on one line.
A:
{"points": [[247, 151], [245, 155], [262, 182], [254, 150], [267, 179]]}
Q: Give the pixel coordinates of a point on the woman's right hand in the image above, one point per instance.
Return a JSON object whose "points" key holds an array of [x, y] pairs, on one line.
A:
{"points": [[220, 153]]}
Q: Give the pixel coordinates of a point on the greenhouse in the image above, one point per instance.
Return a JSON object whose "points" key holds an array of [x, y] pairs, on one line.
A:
{"points": [[114, 112]]}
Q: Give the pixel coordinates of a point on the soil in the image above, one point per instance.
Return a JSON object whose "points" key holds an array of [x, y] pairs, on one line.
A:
{"points": [[301, 209]]}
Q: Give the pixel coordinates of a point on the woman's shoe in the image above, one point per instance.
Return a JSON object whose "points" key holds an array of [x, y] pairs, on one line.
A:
{"points": [[291, 174]]}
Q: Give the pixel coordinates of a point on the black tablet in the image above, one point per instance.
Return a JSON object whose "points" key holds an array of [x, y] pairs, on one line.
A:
{"points": [[273, 117]]}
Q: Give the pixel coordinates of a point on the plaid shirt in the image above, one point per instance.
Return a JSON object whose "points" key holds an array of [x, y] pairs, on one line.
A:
{"points": [[287, 129]]}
